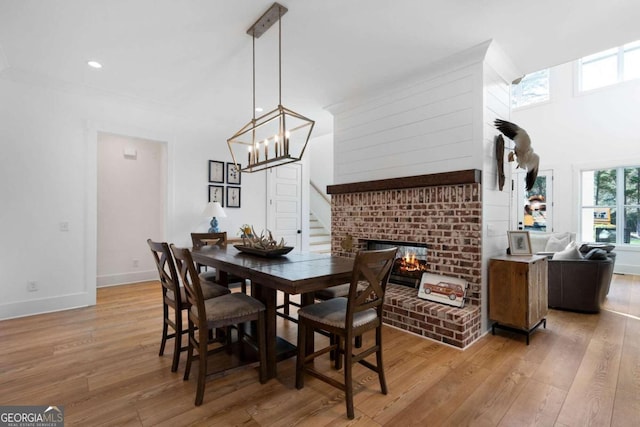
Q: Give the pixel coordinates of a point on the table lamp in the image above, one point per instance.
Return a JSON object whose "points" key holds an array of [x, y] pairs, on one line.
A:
{"points": [[214, 210]]}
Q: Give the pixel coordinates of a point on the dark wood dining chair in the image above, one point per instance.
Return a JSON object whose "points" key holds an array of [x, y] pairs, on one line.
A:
{"points": [[346, 318], [174, 300], [199, 240], [222, 312]]}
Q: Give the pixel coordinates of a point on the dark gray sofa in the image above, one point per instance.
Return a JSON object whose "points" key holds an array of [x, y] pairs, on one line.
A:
{"points": [[580, 285]]}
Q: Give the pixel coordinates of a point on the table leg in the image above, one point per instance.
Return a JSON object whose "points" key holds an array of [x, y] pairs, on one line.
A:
{"points": [[268, 298], [223, 278]]}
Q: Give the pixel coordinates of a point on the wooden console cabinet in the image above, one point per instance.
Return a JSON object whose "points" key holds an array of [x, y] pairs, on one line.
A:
{"points": [[518, 293]]}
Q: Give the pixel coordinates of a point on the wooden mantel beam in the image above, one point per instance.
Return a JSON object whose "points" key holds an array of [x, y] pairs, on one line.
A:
{"points": [[469, 176]]}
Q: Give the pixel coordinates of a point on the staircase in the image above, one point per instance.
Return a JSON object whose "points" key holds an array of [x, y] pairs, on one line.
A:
{"points": [[319, 237]]}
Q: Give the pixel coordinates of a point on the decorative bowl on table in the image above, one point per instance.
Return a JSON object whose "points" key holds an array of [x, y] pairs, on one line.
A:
{"points": [[264, 245], [269, 253]]}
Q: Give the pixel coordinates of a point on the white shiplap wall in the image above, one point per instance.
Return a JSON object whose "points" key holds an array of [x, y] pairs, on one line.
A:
{"points": [[427, 125]]}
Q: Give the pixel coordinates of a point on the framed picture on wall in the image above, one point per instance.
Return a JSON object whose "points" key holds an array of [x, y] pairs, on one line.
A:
{"points": [[519, 242], [233, 173], [216, 194], [233, 197], [216, 171]]}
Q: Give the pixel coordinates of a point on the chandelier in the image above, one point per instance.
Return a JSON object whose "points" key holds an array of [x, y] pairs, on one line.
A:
{"points": [[279, 136]]}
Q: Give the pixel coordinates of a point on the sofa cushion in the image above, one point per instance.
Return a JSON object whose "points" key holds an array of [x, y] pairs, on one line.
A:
{"points": [[557, 243], [571, 252], [539, 240], [596, 254], [586, 247]]}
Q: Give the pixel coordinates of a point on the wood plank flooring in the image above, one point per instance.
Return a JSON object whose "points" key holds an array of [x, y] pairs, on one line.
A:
{"points": [[101, 363]]}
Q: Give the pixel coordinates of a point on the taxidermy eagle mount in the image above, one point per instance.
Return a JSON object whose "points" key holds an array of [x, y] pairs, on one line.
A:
{"points": [[523, 151]]}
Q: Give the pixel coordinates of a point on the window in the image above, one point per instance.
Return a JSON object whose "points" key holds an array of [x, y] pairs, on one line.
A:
{"points": [[533, 88], [611, 205], [610, 66]]}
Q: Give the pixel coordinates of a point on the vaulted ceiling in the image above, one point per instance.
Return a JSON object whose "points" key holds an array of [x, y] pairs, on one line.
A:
{"points": [[194, 56]]}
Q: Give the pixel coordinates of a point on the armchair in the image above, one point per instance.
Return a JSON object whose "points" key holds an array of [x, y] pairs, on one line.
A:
{"points": [[579, 284]]}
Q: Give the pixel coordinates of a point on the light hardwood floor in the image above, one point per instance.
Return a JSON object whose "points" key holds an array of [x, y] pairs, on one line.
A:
{"points": [[102, 364]]}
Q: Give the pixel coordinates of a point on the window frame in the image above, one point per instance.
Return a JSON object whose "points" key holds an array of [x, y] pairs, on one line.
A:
{"points": [[620, 54], [619, 206], [515, 94]]}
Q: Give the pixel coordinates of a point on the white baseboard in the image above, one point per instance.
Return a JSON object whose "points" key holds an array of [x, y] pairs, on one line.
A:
{"points": [[124, 278], [626, 269], [44, 305]]}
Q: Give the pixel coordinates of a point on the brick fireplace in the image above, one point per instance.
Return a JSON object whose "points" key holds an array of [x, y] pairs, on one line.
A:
{"points": [[442, 211]]}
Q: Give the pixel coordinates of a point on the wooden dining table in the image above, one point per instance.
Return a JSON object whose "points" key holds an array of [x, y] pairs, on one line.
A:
{"points": [[294, 273]]}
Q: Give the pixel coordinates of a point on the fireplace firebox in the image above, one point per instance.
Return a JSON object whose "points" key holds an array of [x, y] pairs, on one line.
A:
{"points": [[410, 263]]}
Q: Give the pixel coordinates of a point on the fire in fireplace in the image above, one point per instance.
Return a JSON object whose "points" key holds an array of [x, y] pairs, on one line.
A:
{"points": [[410, 263]]}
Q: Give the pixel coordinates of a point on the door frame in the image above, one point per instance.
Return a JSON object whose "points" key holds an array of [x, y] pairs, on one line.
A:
{"points": [[519, 178], [91, 129], [304, 202]]}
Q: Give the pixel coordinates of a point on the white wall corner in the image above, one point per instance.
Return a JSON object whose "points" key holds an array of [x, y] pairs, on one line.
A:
{"points": [[3, 60], [497, 59]]}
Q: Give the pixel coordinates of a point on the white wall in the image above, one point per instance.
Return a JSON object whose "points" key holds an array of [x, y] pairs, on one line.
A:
{"points": [[42, 174], [48, 164], [576, 131]]}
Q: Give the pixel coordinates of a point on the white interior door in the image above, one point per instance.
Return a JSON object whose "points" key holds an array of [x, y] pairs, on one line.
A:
{"points": [[284, 200]]}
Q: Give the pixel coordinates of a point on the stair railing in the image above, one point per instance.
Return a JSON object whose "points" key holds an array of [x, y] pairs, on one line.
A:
{"points": [[320, 205]]}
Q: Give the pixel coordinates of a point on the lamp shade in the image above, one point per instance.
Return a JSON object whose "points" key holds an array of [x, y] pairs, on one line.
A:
{"points": [[214, 209]]}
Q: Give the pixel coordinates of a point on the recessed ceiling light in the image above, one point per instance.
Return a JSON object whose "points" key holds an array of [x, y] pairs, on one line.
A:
{"points": [[258, 109], [94, 64]]}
